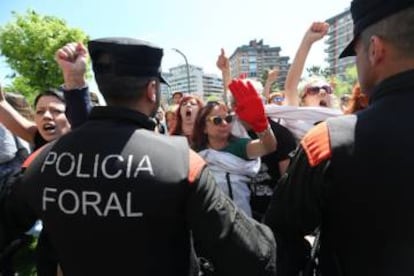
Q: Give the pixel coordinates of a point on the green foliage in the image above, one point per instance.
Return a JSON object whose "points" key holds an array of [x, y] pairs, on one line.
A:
{"points": [[343, 85], [29, 43]]}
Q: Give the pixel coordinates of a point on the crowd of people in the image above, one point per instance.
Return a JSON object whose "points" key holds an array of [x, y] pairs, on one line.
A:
{"points": [[228, 187]]}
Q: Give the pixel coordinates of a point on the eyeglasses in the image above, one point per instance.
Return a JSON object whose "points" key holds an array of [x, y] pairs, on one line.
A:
{"points": [[314, 90], [217, 120]]}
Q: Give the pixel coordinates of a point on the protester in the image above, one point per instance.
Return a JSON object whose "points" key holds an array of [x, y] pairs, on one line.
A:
{"points": [[176, 97], [171, 117], [111, 187], [234, 160], [349, 176], [314, 91], [186, 114]]}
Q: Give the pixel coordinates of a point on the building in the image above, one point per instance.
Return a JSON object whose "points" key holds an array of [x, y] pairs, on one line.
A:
{"points": [[254, 59], [196, 82], [339, 35]]}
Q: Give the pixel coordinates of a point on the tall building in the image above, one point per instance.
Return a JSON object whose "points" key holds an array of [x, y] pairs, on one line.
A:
{"points": [[196, 82], [339, 35], [254, 59]]}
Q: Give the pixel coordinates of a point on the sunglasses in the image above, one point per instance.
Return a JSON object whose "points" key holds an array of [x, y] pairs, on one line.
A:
{"points": [[217, 120], [314, 90], [278, 99]]}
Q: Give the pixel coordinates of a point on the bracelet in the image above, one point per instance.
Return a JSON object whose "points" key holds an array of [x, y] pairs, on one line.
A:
{"points": [[264, 132]]}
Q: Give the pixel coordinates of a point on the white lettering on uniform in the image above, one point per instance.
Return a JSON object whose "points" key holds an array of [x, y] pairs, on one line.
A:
{"points": [[71, 167], [87, 203], [92, 203], [53, 156], [129, 165], [113, 199], [141, 167], [66, 164], [75, 199], [129, 211], [96, 166], [79, 166], [103, 166], [46, 199]]}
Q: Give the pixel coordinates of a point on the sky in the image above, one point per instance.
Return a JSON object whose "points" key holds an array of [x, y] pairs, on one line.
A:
{"points": [[198, 28]]}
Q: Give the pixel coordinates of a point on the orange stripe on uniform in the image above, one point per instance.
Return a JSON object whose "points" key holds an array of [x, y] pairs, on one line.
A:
{"points": [[31, 157], [317, 145], [196, 164]]}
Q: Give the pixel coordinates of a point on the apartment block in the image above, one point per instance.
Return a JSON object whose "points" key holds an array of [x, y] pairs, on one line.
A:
{"points": [[254, 59], [339, 35]]}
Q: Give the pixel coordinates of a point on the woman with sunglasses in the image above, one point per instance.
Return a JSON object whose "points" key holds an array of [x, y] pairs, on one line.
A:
{"points": [[315, 91], [234, 160]]}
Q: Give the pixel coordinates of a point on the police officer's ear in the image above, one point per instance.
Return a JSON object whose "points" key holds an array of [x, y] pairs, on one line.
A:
{"points": [[377, 49], [151, 92]]}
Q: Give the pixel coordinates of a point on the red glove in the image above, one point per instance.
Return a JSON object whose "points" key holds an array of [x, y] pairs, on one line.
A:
{"points": [[249, 106]]}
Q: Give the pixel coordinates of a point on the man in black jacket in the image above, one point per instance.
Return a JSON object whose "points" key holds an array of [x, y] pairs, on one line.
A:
{"points": [[118, 199], [351, 175]]}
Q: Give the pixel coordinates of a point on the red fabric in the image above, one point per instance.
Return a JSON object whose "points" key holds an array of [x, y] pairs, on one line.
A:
{"points": [[249, 105]]}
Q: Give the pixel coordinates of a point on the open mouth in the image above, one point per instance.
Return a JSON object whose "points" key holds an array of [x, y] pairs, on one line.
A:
{"points": [[323, 103], [49, 128], [188, 113]]}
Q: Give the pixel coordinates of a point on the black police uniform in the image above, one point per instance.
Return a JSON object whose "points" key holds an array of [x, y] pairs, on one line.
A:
{"points": [[351, 175], [118, 199]]}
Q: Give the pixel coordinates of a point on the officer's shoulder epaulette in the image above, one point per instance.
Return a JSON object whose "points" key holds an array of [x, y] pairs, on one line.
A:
{"points": [[316, 144], [196, 164]]}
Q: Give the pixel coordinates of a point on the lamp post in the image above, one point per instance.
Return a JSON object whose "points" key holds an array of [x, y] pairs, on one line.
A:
{"points": [[187, 66]]}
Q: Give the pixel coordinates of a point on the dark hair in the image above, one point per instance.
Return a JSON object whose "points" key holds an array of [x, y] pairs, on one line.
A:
{"points": [[178, 129], [398, 29], [50, 92], [199, 137]]}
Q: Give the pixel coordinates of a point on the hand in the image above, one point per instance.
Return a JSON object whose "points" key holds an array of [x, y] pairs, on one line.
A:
{"points": [[72, 59], [273, 75], [316, 31], [249, 106], [223, 62]]}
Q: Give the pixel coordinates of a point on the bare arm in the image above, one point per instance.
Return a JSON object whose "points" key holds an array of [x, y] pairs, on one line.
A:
{"points": [[224, 65], [15, 122], [264, 145], [316, 32], [272, 76]]}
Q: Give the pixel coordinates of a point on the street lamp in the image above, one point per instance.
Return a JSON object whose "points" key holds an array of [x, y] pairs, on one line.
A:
{"points": [[188, 68]]}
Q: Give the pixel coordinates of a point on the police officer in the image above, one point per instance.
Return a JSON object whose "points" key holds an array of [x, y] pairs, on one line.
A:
{"points": [[118, 199], [352, 175]]}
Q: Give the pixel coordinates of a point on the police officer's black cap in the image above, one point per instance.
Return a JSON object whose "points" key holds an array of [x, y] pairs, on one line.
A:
{"points": [[367, 12], [127, 57]]}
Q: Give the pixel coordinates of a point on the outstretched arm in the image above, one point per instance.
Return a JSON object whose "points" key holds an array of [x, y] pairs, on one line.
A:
{"points": [[72, 59], [224, 65], [316, 32], [272, 76]]}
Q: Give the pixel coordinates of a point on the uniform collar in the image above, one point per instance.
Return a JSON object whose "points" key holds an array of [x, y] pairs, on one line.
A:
{"points": [[122, 113], [399, 83]]}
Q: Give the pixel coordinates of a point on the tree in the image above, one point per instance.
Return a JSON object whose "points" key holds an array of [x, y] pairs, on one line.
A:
{"points": [[29, 43]]}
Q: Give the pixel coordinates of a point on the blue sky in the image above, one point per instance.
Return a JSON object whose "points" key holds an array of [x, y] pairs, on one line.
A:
{"points": [[199, 28]]}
